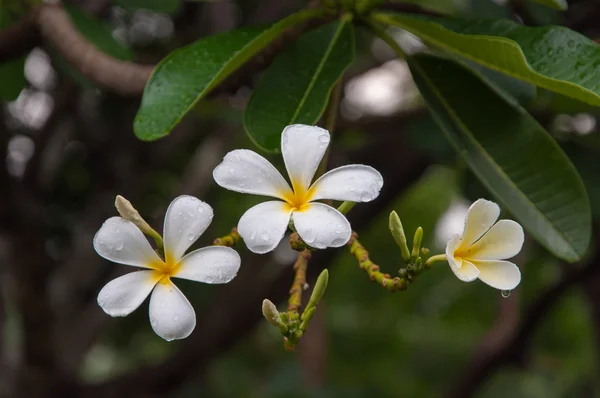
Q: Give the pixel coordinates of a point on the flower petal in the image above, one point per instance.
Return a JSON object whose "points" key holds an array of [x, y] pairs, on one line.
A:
{"points": [[214, 264], [303, 148], [504, 240], [467, 271], [262, 226], [121, 296], [246, 171], [321, 226], [119, 240], [480, 217], [453, 244], [171, 314], [355, 182], [502, 275], [186, 219]]}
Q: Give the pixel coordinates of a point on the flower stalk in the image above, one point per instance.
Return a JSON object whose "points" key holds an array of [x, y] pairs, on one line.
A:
{"points": [[407, 275], [228, 240]]}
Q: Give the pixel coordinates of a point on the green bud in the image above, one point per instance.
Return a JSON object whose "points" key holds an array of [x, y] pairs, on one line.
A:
{"points": [[307, 315], [271, 314], [318, 291], [417, 242], [398, 233], [128, 212]]}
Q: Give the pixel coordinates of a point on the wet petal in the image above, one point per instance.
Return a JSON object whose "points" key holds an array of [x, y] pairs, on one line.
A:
{"points": [[504, 240], [321, 226], [451, 246], [303, 148], [214, 264], [481, 216], [186, 219], [467, 271], [262, 226], [356, 183], [502, 275], [246, 171], [121, 241], [121, 296], [171, 315]]}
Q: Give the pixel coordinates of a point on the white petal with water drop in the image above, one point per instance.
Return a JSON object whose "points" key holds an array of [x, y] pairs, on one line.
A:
{"points": [[355, 183], [303, 148], [172, 316], [121, 296], [502, 275], [480, 217], [214, 264], [186, 219], [322, 226], [119, 240], [246, 171], [263, 226]]}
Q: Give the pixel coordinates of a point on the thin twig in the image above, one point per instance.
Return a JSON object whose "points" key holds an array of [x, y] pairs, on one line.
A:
{"points": [[295, 300]]}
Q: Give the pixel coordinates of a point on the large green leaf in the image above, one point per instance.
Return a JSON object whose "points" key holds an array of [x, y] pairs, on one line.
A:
{"points": [[12, 77], [554, 58], [190, 73], [296, 87], [556, 4], [513, 156]]}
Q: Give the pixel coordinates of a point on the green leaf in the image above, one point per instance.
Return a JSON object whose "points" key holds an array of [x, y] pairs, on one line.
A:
{"points": [[554, 58], [296, 87], [99, 34], [556, 4], [190, 73], [512, 155], [170, 7], [12, 74]]}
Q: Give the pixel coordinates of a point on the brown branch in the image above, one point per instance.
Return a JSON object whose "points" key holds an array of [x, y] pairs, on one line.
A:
{"points": [[123, 77]]}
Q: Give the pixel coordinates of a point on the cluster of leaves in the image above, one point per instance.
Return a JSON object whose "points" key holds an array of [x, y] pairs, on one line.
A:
{"points": [[508, 150]]}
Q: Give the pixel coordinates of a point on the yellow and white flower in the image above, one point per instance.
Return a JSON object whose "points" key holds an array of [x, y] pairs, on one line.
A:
{"points": [[262, 227], [171, 314], [484, 245]]}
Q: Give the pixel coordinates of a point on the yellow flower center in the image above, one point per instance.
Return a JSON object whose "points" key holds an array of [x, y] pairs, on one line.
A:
{"points": [[298, 199], [164, 270]]}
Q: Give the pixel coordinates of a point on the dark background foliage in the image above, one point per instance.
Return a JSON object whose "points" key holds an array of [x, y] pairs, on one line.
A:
{"points": [[69, 148]]}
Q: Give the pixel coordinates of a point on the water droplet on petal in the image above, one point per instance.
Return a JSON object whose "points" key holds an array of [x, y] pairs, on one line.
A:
{"points": [[191, 237], [176, 317], [365, 197], [200, 209], [119, 245], [264, 236], [252, 235], [505, 293], [153, 321], [309, 236]]}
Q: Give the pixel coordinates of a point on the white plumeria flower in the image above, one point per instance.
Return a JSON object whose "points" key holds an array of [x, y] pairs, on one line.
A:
{"points": [[171, 314], [319, 225], [484, 245]]}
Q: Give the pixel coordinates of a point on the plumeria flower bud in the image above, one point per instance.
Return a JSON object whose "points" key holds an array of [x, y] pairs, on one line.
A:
{"points": [[319, 289], [417, 239], [484, 245], [271, 314], [397, 231], [318, 224], [128, 212], [171, 314]]}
